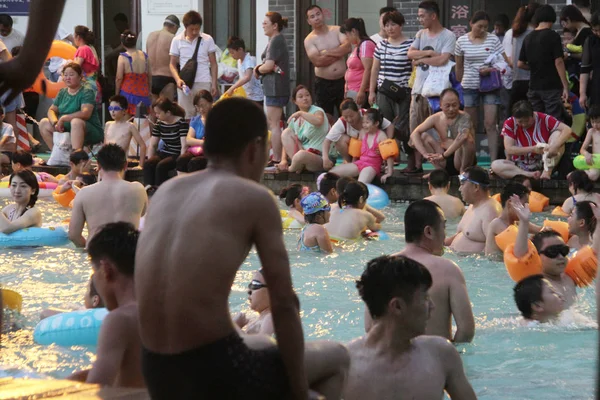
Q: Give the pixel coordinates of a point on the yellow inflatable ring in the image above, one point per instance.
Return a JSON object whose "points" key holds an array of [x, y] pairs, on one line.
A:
{"points": [[497, 198], [11, 300], [64, 199], [537, 202], [42, 85], [558, 212], [289, 222], [559, 226], [506, 237], [582, 267], [520, 268]]}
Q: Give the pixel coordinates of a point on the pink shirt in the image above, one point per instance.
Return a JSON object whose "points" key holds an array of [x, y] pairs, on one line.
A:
{"points": [[90, 62], [354, 73]]}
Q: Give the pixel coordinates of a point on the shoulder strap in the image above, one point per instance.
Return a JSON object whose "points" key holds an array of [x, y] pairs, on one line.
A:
{"points": [[195, 56]]}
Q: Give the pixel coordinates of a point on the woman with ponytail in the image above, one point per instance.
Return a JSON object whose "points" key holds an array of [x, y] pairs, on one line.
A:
{"points": [[87, 57], [359, 62], [24, 189]]}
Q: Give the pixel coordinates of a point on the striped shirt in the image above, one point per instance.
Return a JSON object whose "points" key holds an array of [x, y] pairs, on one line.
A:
{"points": [[394, 64], [171, 135], [539, 132], [475, 55]]}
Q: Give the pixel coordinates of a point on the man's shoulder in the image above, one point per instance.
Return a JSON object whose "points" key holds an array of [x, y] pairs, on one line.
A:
{"points": [[433, 343], [120, 320], [356, 345], [206, 37]]}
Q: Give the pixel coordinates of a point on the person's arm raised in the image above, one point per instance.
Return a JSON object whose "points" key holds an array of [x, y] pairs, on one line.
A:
{"points": [[522, 210], [112, 345], [460, 306]]}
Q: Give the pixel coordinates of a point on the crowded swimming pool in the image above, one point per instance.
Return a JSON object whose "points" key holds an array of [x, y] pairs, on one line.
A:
{"points": [[505, 360]]}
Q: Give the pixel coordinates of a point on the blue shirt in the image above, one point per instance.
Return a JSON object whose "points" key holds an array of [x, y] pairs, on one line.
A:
{"points": [[198, 125]]}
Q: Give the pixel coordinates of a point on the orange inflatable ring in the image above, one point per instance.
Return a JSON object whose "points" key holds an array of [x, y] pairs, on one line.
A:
{"points": [[354, 147], [42, 85], [497, 198], [506, 237], [520, 268], [388, 149], [537, 202], [582, 267], [559, 226], [64, 199], [558, 212]]}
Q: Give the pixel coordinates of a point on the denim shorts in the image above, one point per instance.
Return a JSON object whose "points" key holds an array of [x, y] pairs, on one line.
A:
{"points": [[473, 97], [276, 101]]}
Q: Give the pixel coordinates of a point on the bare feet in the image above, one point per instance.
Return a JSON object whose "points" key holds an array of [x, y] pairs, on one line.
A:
{"points": [[545, 176]]}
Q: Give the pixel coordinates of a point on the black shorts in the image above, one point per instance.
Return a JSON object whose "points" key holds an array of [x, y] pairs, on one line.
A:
{"points": [[159, 82], [329, 94], [451, 169], [225, 369]]}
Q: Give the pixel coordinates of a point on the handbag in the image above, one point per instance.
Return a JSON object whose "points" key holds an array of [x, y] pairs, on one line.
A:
{"points": [[491, 82], [390, 89], [188, 72]]}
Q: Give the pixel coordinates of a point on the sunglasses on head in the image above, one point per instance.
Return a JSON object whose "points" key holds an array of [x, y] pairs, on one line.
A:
{"points": [[554, 250], [115, 108], [255, 285], [463, 178]]}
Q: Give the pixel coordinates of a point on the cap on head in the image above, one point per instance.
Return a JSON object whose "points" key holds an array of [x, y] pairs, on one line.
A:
{"points": [[313, 203]]}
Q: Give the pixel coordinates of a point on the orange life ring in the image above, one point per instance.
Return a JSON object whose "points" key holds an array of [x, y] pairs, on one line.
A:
{"points": [[506, 237], [42, 85], [537, 202], [559, 226], [582, 267], [520, 268]]}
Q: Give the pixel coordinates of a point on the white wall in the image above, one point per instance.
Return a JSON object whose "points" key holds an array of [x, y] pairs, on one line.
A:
{"points": [[77, 12], [262, 7], [154, 22]]}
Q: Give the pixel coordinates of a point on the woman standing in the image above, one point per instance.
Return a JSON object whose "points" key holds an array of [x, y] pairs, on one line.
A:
{"points": [[472, 50], [590, 64], [573, 21], [360, 61], [275, 72], [133, 73], [87, 57]]}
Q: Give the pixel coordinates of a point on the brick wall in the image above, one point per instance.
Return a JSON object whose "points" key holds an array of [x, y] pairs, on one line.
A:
{"points": [[409, 8], [287, 9]]}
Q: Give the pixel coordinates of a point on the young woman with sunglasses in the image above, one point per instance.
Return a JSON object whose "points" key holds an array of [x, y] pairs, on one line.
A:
{"points": [[258, 295]]}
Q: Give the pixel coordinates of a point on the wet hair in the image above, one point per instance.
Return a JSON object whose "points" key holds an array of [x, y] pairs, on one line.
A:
{"points": [[479, 175], [112, 157], [545, 13], [595, 20], [352, 194], [6, 20], [503, 20], [384, 10], [375, 116], [522, 109], [528, 292], [510, 189], [328, 182], [94, 292], [348, 104], [341, 184], [203, 94], [359, 25], [277, 19], [312, 218], [395, 17], [387, 277], [594, 112], [291, 193], [22, 157], [312, 7], [538, 238], [430, 6], [129, 39], [85, 34], [192, 18], [87, 178], [122, 100], [116, 242], [75, 67], [572, 13], [297, 89], [78, 156], [479, 16], [418, 215], [30, 179], [167, 105], [228, 137], [580, 181], [236, 43], [583, 210], [523, 18], [449, 90], [439, 178]]}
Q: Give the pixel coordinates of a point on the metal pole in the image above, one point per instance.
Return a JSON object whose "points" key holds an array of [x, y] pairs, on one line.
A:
{"points": [[102, 42]]}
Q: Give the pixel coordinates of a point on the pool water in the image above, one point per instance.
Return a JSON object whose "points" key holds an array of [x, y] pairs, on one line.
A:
{"points": [[505, 360]]}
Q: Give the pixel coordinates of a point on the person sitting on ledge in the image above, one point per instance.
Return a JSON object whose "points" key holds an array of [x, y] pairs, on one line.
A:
{"points": [[121, 130], [439, 185], [537, 299], [534, 141]]}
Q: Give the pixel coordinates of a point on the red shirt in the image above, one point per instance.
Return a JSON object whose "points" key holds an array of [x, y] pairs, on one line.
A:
{"points": [[539, 132]]}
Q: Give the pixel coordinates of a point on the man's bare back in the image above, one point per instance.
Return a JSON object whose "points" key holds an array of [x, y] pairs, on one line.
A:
{"points": [[350, 223], [158, 46], [472, 229], [452, 206], [320, 42]]}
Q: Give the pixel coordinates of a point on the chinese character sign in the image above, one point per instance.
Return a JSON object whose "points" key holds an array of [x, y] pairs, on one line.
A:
{"points": [[14, 7], [459, 11]]}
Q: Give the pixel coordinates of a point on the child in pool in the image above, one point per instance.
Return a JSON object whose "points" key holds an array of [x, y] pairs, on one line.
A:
{"points": [[292, 195], [23, 160], [120, 131], [439, 185], [538, 300], [592, 138], [83, 179], [314, 236], [340, 185], [351, 219], [368, 165], [80, 162], [91, 299], [258, 296]]}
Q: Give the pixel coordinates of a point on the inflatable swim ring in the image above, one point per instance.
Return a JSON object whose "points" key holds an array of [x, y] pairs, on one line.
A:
{"points": [[537, 201], [29, 237], [42, 85], [354, 147], [65, 199], [378, 198], [520, 268], [558, 212], [559, 226], [11, 300], [583, 266], [506, 237], [289, 222], [579, 162], [77, 328], [388, 149], [46, 189]]}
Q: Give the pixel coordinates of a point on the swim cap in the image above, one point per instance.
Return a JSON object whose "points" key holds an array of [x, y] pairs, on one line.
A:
{"points": [[313, 203], [172, 20]]}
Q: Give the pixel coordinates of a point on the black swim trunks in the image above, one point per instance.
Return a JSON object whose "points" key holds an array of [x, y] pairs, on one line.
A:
{"points": [[159, 82], [225, 369], [329, 94]]}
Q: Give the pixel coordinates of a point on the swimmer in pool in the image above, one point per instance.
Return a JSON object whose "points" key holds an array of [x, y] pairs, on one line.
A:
{"points": [[292, 196], [314, 236], [471, 234], [395, 359], [23, 160], [79, 162], [258, 296], [439, 185], [340, 185], [118, 355], [24, 189], [350, 220], [190, 343], [326, 183], [91, 299], [538, 300], [112, 199], [82, 180], [508, 216], [582, 224]]}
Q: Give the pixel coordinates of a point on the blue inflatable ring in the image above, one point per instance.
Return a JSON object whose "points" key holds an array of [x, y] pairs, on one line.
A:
{"points": [[77, 328], [53, 236], [378, 198]]}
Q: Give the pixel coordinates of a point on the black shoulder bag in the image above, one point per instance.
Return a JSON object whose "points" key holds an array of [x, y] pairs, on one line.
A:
{"points": [[188, 72], [390, 89]]}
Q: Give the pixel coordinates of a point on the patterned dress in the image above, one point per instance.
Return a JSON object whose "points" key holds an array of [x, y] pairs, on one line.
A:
{"points": [[135, 86]]}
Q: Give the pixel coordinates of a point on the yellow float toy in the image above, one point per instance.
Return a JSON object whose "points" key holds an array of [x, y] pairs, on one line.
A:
{"points": [[507, 237], [239, 92], [522, 267], [11, 300], [289, 222], [582, 267], [537, 202], [559, 226], [44, 86]]}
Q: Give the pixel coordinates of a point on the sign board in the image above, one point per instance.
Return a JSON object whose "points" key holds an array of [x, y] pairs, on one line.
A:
{"points": [[166, 7], [458, 14], [15, 7]]}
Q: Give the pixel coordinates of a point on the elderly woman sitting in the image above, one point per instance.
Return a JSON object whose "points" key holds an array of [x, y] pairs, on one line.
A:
{"points": [[74, 111]]}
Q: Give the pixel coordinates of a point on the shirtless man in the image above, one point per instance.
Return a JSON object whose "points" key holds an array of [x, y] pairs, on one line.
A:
{"points": [[112, 254], [120, 130], [191, 346], [258, 296], [158, 46], [393, 360], [537, 299], [473, 227], [439, 185], [326, 48], [112, 199], [455, 136]]}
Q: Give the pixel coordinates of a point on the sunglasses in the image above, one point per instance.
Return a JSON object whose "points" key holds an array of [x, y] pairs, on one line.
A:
{"points": [[554, 250], [255, 285], [115, 108], [462, 179]]}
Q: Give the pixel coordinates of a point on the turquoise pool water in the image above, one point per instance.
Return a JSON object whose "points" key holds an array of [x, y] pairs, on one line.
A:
{"points": [[505, 361]]}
